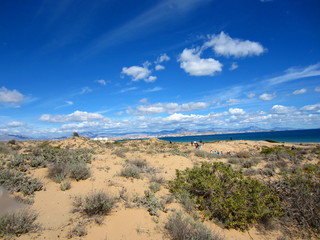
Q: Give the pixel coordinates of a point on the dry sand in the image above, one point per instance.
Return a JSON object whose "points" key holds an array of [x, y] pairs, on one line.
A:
{"points": [[124, 223]]}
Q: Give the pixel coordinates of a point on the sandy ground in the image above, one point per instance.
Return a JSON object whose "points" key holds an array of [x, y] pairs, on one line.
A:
{"points": [[126, 223]]}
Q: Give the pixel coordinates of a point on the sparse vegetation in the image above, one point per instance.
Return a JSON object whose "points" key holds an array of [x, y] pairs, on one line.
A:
{"points": [[151, 202], [130, 172], [18, 222], [186, 228], [95, 203], [15, 181]]}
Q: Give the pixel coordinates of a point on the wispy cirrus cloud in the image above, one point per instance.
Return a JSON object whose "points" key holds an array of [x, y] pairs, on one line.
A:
{"points": [[294, 73], [144, 24], [299, 91]]}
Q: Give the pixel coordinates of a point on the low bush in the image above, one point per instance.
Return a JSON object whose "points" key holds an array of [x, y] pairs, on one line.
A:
{"points": [[65, 185], [151, 202], [130, 172], [78, 231], [224, 194], [300, 198], [58, 171], [96, 203], [18, 222], [15, 181], [79, 171], [186, 228], [154, 187]]}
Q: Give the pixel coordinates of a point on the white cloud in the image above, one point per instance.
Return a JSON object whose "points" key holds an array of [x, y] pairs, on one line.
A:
{"points": [[283, 109], [136, 73], [128, 89], [77, 116], [143, 100], [233, 101], [157, 108], [191, 63], [233, 66], [102, 82], [251, 95], [296, 73], [139, 73], [85, 90], [10, 96], [15, 124], [151, 79], [163, 58], [155, 89], [300, 91], [223, 44], [159, 67], [267, 96], [317, 89], [314, 107], [236, 111]]}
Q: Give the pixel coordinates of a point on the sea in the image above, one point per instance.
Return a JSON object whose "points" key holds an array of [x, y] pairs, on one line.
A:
{"points": [[294, 136]]}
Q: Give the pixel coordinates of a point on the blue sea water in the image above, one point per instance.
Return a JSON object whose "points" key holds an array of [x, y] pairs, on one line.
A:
{"points": [[297, 136]]}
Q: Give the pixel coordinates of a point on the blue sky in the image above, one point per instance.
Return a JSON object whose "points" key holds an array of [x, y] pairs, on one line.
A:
{"points": [[146, 66]]}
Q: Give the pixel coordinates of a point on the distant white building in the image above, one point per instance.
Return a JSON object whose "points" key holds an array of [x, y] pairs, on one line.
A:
{"points": [[100, 139]]}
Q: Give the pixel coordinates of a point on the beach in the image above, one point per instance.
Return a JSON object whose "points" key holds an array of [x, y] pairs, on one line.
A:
{"points": [[129, 218]]}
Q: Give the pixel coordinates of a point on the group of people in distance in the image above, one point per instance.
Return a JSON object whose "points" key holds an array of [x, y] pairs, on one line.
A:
{"points": [[198, 145]]}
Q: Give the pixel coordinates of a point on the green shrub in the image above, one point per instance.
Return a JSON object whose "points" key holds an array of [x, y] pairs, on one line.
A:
{"points": [[151, 202], [300, 198], [65, 185], [18, 222], [58, 171], [15, 181], [186, 228], [79, 171], [96, 203], [79, 231], [224, 194], [130, 172], [154, 187]]}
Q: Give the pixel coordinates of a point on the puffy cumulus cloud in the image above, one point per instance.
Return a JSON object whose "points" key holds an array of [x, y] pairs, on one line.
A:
{"points": [[300, 91], [192, 64], [233, 66], [317, 89], [14, 124], [283, 109], [77, 116], [137, 73], [222, 44], [162, 58], [236, 111], [267, 96], [159, 67], [314, 107], [10, 96], [157, 108]]}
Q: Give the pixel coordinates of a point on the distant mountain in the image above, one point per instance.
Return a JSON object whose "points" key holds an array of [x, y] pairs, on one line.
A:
{"points": [[8, 137]]}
